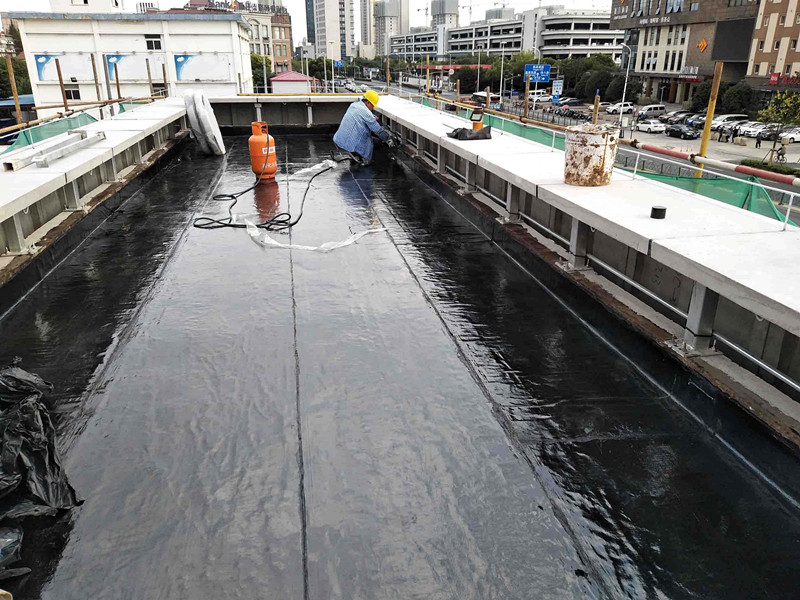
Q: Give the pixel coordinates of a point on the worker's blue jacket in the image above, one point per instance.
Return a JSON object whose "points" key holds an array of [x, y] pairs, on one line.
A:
{"points": [[354, 133]]}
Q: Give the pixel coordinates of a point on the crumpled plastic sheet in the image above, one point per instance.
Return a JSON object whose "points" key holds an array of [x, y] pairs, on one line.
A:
{"points": [[263, 239], [325, 164], [32, 481]]}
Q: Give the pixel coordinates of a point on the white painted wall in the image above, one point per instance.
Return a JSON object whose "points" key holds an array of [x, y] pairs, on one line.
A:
{"points": [[291, 87], [218, 60]]}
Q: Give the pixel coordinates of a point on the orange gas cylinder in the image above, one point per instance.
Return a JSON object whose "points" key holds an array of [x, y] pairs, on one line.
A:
{"points": [[263, 159]]}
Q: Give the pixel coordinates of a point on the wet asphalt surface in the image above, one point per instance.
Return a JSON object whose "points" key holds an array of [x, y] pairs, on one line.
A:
{"points": [[412, 416]]}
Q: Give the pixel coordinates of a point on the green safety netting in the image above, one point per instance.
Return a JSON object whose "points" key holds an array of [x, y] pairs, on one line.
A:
{"points": [[123, 106], [37, 133], [739, 192]]}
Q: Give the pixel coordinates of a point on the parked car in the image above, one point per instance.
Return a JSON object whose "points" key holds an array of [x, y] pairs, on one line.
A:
{"points": [[651, 126], [682, 131], [681, 118], [754, 129], [651, 111], [571, 102], [791, 135], [539, 96], [721, 120], [604, 104], [698, 119], [564, 99], [624, 107], [665, 118], [364, 88]]}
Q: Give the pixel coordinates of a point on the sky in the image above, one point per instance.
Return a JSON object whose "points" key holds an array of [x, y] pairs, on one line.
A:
{"points": [[298, 11]]}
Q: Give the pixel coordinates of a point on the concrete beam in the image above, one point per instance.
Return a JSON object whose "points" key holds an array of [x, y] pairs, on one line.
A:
{"points": [[579, 238]]}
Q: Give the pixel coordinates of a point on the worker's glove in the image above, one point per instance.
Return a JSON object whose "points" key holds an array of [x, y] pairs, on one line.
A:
{"points": [[391, 143]]}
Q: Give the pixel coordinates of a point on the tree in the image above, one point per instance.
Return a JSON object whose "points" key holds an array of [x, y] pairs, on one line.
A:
{"points": [[580, 87], [20, 76], [736, 98], [13, 31], [702, 95], [784, 109], [257, 63], [602, 62], [468, 78], [599, 80], [614, 89]]}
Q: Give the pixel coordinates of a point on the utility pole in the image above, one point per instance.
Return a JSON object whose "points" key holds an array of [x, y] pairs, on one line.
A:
{"points": [[428, 74], [388, 75], [712, 104]]}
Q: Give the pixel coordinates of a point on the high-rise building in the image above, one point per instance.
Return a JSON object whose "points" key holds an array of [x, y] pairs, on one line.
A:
{"points": [[310, 22], [367, 22], [500, 14], [774, 59], [334, 25], [387, 24], [403, 13], [444, 12]]}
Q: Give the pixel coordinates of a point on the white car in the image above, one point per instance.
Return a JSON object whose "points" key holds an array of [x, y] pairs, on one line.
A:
{"points": [[753, 130], [791, 135], [624, 107], [651, 126], [539, 97]]}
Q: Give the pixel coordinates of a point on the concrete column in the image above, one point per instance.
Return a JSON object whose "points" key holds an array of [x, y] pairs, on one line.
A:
{"points": [[470, 174], [14, 235], [72, 201], [137, 153], [698, 334], [257, 106], [441, 167], [310, 115], [512, 202], [579, 245]]}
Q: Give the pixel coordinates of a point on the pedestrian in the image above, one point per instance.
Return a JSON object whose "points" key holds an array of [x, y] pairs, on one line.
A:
{"points": [[758, 140], [735, 134]]}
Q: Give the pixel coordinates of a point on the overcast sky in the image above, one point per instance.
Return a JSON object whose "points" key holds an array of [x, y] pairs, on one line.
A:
{"points": [[298, 11]]}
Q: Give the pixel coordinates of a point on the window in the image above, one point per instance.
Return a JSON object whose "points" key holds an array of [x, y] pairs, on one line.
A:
{"points": [[159, 89], [672, 65], [694, 6], [153, 42], [797, 19], [781, 20], [756, 68], [683, 35], [778, 45], [766, 20], [680, 60], [658, 35], [771, 69], [72, 92], [80, 2], [737, 2], [761, 45], [794, 44], [666, 60], [669, 35], [641, 66], [787, 70]]}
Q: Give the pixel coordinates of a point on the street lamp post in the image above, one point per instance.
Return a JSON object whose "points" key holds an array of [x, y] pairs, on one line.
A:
{"points": [[502, 65], [625, 85], [325, 64], [478, 81]]}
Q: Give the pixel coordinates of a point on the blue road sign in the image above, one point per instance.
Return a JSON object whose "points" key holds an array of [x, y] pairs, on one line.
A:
{"points": [[338, 63], [540, 73]]}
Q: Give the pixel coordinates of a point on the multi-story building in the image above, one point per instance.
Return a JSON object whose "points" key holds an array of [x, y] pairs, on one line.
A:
{"points": [[387, 24], [368, 22], [444, 12], [311, 27], [420, 44], [334, 25], [577, 34], [493, 38], [774, 60], [675, 43], [200, 49]]}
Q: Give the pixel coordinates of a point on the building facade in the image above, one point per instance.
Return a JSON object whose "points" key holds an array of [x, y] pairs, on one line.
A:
{"points": [[208, 51], [774, 60], [387, 24], [368, 22], [674, 44], [271, 36], [492, 38], [334, 25], [420, 44], [577, 34], [444, 12]]}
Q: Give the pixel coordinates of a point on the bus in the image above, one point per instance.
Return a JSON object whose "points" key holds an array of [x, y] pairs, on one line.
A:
{"points": [[480, 98]]}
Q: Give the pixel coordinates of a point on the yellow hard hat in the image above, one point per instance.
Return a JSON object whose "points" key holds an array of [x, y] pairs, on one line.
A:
{"points": [[372, 97]]}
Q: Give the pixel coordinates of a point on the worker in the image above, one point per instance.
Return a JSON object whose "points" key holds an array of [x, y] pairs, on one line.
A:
{"points": [[354, 135]]}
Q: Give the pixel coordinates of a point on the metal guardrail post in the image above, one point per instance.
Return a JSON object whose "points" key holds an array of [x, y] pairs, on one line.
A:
{"points": [[788, 212], [636, 165]]}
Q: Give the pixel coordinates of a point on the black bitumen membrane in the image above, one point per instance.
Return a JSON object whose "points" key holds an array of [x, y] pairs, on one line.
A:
{"points": [[411, 416]]}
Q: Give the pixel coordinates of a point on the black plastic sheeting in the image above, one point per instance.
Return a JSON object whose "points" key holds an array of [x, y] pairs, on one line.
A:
{"points": [[32, 481]]}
